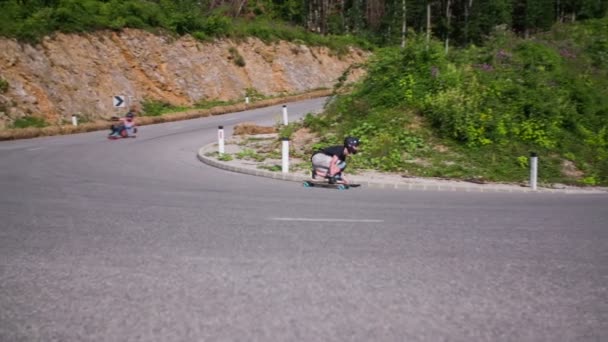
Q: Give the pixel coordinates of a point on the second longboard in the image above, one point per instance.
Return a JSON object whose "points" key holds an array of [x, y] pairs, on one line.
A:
{"points": [[325, 184]]}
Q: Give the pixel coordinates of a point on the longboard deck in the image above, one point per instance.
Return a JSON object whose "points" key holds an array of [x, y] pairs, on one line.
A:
{"points": [[325, 184], [119, 137]]}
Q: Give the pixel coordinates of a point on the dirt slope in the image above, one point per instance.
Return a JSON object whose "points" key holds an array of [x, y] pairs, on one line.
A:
{"points": [[69, 74]]}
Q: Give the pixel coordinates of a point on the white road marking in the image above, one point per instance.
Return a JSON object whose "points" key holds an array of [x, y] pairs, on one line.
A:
{"points": [[304, 219], [35, 148]]}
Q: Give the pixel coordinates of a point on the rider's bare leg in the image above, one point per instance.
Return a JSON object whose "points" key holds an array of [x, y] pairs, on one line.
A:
{"points": [[321, 173]]}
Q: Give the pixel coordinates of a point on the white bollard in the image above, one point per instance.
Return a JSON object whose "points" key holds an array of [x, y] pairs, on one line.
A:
{"points": [[533, 170], [285, 122], [285, 155], [220, 139], [246, 99], [74, 120]]}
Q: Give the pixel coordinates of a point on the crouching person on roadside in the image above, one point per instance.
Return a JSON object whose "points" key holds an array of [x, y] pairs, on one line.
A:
{"points": [[330, 162]]}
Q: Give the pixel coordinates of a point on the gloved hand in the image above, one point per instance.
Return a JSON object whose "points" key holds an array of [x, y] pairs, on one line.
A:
{"points": [[333, 169]]}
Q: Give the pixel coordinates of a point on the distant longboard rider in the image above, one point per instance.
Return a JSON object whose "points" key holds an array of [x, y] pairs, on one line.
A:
{"points": [[127, 123], [330, 162]]}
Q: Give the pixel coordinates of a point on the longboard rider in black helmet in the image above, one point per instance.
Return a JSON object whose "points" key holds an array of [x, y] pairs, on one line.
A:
{"points": [[126, 123], [330, 162]]}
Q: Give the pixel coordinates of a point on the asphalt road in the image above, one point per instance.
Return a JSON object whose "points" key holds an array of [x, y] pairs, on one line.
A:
{"points": [[136, 240]]}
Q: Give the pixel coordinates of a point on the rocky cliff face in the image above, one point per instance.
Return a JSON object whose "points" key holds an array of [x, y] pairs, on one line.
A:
{"points": [[69, 74]]}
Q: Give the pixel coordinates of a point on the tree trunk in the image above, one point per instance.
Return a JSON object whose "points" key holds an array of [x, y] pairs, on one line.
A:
{"points": [[314, 16], [448, 15], [403, 24], [241, 4], [374, 10], [342, 16], [428, 23], [467, 8]]}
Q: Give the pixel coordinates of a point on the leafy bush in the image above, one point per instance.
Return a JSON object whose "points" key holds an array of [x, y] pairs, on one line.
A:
{"points": [[254, 94], [316, 123], [286, 132], [224, 157], [3, 85], [204, 104], [505, 99], [29, 121], [31, 20], [155, 108], [236, 57], [217, 26], [249, 154]]}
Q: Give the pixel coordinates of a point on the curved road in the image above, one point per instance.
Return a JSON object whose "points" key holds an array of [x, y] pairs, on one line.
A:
{"points": [[136, 240]]}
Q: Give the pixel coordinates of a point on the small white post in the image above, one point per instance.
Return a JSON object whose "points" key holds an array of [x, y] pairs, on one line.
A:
{"points": [[74, 120], [285, 122], [220, 139], [533, 170], [285, 155], [246, 99]]}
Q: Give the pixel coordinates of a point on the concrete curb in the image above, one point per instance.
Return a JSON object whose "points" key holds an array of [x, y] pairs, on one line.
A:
{"points": [[386, 185]]}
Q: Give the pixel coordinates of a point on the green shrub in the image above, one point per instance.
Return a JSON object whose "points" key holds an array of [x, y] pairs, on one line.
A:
{"points": [[200, 35], [204, 104], [224, 157], [492, 104], [250, 154], [78, 15], [217, 25], [155, 108], [286, 132], [273, 168], [317, 123], [36, 26], [254, 94], [3, 85], [29, 121], [31, 20], [236, 57]]}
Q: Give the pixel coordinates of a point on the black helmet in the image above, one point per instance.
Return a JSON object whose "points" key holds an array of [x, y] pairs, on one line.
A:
{"points": [[130, 114], [351, 143]]}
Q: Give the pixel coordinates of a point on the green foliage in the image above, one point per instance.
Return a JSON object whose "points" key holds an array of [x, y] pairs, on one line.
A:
{"points": [[204, 104], [155, 108], [250, 154], [224, 157], [272, 168], [505, 99], [117, 14], [590, 180], [236, 57], [29, 121], [217, 26], [3, 85], [270, 20], [286, 132], [254, 94], [315, 122], [273, 30], [30, 21], [523, 162]]}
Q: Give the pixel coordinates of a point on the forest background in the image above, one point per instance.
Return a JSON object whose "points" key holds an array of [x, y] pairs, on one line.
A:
{"points": [[456, 88]]}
